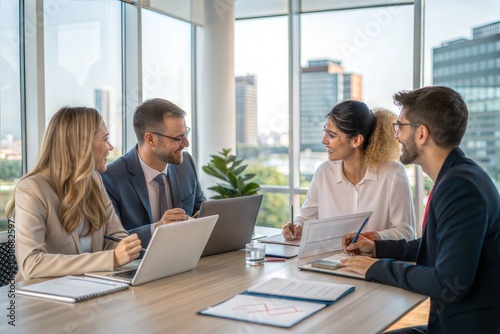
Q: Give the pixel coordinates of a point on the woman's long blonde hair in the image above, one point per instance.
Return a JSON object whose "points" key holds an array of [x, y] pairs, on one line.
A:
{"points": [[67, 161]]}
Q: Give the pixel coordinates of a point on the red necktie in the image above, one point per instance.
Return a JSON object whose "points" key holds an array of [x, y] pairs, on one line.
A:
{"points": [[427, 209]]}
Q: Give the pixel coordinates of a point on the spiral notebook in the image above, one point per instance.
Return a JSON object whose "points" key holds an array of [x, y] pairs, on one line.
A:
{"points": [[71, 289]]}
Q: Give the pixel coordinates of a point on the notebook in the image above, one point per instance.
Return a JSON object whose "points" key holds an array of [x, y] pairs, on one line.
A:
{"points": [[237, 217], [283, 251], [71, 289], [174, 248]]}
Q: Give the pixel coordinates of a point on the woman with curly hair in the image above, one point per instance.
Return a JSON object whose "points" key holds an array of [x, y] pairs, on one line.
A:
{"points": [[361, 174], [61, 209]]}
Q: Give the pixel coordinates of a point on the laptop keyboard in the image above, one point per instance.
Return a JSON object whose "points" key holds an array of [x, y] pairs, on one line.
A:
{"points": [[125, 274]]}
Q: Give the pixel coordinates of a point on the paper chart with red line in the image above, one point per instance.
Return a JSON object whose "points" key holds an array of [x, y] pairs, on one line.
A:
{"points": [[264, 310]]}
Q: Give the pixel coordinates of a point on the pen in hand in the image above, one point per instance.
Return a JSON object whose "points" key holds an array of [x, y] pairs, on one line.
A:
{"points": [[291, 220], [359, 230], [110, 237], [196, 214]]}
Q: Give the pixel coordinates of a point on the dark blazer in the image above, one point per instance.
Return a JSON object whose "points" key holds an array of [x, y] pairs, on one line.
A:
{"points": [[126, 186], [458, 256]]}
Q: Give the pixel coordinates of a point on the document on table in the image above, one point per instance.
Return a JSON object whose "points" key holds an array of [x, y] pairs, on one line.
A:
{"points": [[325, 235], [280, 302], [302, 289]]}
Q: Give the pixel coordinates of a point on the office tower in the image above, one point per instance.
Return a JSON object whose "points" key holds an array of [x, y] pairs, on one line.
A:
{"points": [[246, 110], [323, 85], [472, 67]]}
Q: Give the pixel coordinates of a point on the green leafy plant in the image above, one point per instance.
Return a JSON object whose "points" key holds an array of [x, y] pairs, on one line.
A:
{"points": [[228, 168]]}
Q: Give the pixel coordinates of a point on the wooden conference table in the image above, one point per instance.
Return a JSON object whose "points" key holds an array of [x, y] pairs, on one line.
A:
{"points": [[170, 305]]}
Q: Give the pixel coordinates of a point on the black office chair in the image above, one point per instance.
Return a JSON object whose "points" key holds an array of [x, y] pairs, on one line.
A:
{"points": [[8, 263]]}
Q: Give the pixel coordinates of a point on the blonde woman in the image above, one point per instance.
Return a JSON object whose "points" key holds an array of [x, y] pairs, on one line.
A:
{"points": [[361, 174], [61, 209]]}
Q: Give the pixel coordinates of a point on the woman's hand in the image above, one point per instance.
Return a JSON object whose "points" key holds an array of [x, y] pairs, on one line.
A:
{"points": [[287, 232], [128, 249]]}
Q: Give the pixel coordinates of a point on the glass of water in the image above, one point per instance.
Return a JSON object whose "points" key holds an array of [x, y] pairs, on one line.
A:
{"points": [[255, 253]]}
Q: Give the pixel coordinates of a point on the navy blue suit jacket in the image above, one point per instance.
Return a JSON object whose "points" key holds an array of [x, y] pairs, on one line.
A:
{"points": [[125, 183], [458, 256]]}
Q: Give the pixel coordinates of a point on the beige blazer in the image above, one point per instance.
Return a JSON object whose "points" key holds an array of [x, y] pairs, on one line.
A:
{"points": [[43, 247]]}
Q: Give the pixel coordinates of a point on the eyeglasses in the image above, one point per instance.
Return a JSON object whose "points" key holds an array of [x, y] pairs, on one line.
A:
{"points": [[397, 126], [177, 139]]}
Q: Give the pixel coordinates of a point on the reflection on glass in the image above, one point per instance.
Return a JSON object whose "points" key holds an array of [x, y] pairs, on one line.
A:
{"points": [[166, 60], [261, 68], [10, 112], [83, 60]]}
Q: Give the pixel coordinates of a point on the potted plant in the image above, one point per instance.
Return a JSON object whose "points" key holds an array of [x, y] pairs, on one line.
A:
{"points": [[230, 170]]}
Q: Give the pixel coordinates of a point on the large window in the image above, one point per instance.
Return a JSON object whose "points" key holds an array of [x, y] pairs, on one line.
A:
{"points": [[262, 112], [462, 51], [10, 104], [166, 59], [363, 54], [83, 60], [344, 55]]}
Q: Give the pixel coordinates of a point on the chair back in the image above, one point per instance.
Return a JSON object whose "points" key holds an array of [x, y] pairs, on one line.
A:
{"points": [[8, 263]]}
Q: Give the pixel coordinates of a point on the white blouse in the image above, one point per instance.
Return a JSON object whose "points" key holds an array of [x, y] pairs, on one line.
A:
{"points": [[386, 192]]}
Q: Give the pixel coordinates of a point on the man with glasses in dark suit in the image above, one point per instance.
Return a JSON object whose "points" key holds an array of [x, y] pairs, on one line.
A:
{"points": [[156, 182], [458, 256]]}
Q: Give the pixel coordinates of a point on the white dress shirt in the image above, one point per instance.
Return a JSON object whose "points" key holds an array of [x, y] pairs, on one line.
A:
{"points": [[386, 192], [153, 190]]}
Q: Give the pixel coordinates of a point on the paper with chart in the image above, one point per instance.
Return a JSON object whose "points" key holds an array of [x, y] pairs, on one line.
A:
{"points": [[264, 310], [324, 235]]}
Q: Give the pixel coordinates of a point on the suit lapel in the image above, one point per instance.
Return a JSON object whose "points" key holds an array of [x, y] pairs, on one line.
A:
{"points": [[137, 180]]}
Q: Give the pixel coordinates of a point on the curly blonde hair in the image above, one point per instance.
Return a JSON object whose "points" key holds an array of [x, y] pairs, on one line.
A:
{"points": [[66, 160], [382, 147]]}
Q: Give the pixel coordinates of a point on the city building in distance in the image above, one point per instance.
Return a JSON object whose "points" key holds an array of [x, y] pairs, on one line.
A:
{"points": [[472, 67], [246, 110], [324, 84]]}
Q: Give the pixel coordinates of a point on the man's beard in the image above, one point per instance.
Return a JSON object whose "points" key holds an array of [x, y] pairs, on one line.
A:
{"points": [[409, 151], [171, 158]]}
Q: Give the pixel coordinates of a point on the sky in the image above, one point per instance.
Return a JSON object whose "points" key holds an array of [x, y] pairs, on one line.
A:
{"points": [[375, 43]]}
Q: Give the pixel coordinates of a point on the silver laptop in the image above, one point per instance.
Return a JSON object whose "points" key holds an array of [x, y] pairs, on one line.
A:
{"points": [[174, 248], [237, 217]]}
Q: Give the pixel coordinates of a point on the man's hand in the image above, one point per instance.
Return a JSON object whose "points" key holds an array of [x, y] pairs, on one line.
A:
{"points": [[357, 264], [172, 215], [362, 246]]}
